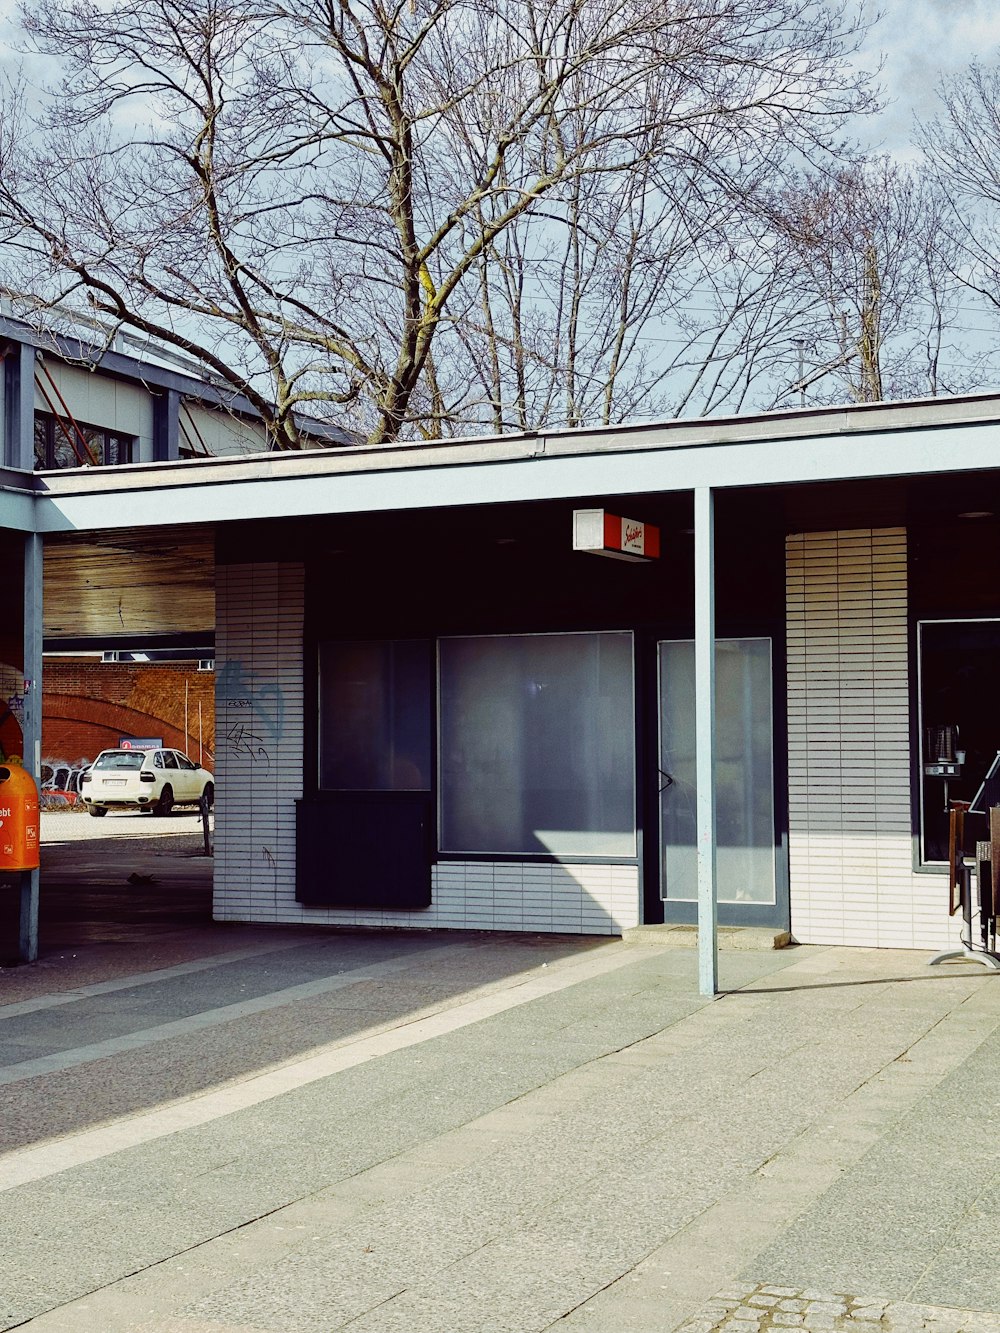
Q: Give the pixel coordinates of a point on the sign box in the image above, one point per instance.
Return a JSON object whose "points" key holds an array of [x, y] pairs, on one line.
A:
{"points": [[601, 533]]}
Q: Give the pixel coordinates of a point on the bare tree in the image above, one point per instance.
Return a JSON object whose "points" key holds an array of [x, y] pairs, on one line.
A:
{"points": [[640, 303], [876, 296], [320, 202], [962, 145]]}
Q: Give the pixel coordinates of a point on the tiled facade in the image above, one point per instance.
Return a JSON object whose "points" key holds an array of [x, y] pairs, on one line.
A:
{"points": [[258, 739], [852, 876], [259, 760], [573, 899], [849, 763]]}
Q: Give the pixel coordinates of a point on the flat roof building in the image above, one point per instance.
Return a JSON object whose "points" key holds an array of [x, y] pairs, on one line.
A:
{"points": [[432, 710]]}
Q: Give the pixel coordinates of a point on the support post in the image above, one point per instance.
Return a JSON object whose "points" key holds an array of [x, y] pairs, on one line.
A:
{"points": [[166, 426], [31, 727], [704, 656], [19, 407]]}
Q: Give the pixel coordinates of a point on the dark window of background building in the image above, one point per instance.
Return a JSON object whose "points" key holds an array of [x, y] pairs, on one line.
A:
{"points": [[61, 443]]}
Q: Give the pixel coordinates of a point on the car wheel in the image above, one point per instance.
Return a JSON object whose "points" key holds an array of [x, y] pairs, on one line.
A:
{"points": [[98, 811], [208, 795], [166, 802]]}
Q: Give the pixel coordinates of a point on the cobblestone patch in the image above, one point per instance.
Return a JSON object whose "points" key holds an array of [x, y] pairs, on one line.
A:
{"points": [[764, 1308]]}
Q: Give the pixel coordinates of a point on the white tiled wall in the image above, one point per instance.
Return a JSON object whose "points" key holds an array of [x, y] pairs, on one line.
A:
{"points": [[849, 764], [259, 757], [583, 899], [509, 895], [258, 739]]}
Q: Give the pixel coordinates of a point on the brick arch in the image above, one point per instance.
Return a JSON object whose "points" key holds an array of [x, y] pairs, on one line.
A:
{"points": [[87, 706], [84, 727]]}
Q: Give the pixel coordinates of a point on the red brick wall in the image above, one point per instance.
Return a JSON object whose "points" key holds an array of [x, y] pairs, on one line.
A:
{"points": [[88, 706]]}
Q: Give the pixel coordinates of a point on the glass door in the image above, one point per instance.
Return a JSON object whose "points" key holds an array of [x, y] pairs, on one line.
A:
{"points": [[744, 775]]}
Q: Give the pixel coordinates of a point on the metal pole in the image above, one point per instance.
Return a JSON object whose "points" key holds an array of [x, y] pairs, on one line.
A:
{"points": [[704, 657], [203, 811], [31, 727]]}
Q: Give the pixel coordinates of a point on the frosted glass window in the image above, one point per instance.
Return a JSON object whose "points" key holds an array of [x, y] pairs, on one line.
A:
{"points": [[375, 715], [744, 773], [537, 745]]}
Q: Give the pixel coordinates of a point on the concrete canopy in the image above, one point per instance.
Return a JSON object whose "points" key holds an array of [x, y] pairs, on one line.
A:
{"points": [[118, 563]]}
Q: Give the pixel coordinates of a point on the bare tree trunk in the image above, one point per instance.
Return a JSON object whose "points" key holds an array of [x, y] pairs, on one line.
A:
{"points": [[870, 342]]}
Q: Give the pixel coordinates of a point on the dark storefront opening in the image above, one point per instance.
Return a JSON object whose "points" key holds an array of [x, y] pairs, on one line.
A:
{"points": [[959, 724]]}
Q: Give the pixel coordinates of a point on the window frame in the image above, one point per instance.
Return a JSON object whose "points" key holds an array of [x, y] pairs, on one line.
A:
{"points": [[920, 864], [46, 425], [771, 904], [545, 858]]}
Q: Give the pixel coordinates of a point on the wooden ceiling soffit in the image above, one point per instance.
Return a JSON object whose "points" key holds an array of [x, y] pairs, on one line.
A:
{"points": [[154, 581]]}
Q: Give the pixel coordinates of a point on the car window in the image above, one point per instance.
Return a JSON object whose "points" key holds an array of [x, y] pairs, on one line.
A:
{"points": [[112, 759], [157, 760], [183, 761], [169, 759]]}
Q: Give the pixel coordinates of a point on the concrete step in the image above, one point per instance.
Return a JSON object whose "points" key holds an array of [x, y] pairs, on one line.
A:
{"points": [[730, 937]]}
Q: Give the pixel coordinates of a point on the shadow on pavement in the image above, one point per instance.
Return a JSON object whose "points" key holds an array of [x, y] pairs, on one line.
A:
{"points": [[122, 880], [138, 998]]}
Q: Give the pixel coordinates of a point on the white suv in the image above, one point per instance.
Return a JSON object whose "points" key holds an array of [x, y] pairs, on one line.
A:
{"points": [[154, 780]]}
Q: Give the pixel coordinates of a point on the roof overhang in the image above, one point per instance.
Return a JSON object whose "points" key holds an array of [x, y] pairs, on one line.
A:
{"points": [[131, 550], [945, 436]]}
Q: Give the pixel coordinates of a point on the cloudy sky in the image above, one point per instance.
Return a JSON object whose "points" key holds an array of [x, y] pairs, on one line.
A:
{"points": [[920, 41]]}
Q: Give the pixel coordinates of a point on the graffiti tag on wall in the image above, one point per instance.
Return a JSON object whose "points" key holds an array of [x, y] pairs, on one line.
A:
{"points": [[61, 782], [12, 686], [253, 715]]}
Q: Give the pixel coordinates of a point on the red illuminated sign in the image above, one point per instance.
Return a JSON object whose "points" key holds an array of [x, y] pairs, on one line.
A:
{"points": [[601, 533]]}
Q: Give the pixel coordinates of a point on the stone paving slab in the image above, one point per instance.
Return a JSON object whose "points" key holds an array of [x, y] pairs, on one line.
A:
{"points": [[673, 936], [766, 1308], [602, 1157]]}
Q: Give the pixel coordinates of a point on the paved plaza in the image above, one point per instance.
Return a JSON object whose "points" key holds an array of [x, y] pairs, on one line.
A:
{"points": [[251, 1130]]}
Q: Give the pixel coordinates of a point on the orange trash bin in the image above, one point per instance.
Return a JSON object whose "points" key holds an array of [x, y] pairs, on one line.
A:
{"points": [[18, 817]]}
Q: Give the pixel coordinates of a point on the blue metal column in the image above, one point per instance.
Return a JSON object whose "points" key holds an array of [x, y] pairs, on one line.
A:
{"points": [[704, 659], [166, 426], [31, 726], [19, 407]]}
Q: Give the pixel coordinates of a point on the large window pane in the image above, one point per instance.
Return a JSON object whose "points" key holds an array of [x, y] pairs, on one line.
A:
{"points": [[375, 715], [537, 746], [744, 780]]}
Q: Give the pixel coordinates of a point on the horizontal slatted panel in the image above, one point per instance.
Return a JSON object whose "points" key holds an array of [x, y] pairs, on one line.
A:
{"points": [[849, 762]]}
